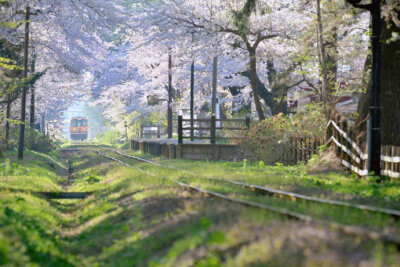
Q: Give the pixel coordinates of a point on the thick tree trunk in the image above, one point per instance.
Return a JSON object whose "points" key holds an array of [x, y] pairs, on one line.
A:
{"points": [[322, 61], [254, 84], [331, 55], [390, 87], [360, 126], [262, 90]]}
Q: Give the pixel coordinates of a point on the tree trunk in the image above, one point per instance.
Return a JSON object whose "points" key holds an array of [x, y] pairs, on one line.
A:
{"points": [[390, 87], [360, 126], [331, 56], [322, 61], [8, 115], [254, 84]]}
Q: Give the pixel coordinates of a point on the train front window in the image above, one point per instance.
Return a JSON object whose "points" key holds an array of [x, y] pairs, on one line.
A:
{"points": [[78, 123]]}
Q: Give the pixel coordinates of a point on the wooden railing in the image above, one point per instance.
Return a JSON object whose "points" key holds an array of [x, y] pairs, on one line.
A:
{"points": [[354, 157], [147, 132], [196, 131]]}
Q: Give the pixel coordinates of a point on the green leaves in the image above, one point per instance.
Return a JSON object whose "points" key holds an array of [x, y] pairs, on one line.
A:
{"points": [[9, 64], [11, 24]]}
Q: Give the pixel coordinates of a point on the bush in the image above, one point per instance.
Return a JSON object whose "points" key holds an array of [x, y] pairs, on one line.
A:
{"points": [[39, 142], [34, 140], [268, 139]]}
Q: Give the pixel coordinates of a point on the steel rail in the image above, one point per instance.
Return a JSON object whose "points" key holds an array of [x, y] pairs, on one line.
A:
{"points": [[347, 229], [271, 191]]}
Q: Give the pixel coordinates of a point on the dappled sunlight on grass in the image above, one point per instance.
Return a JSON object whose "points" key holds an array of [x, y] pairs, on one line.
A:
{"points": [[138, 219], [338, 186]]}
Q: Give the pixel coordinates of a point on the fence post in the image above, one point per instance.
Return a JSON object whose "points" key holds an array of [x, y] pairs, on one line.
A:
{"points": [[158, 130], [392, 154], [294, 150], [396, 152], [384, 152], [180, 131], [344, 141], [247, 121], [329, 132], [314, 146], [212, 131]]}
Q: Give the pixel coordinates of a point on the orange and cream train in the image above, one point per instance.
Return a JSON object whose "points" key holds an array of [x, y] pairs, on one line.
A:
{"points": [[78, 128]]}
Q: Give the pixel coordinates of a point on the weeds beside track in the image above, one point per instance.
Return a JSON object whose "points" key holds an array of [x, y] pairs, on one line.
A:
{"points": [[348, 229]]}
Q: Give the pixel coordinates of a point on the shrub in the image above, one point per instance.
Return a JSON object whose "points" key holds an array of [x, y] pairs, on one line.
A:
{"points": [[39, 142], [271, 137]]}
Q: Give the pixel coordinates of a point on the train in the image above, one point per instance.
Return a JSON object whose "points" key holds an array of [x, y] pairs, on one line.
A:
{"points": [[78, 128]]}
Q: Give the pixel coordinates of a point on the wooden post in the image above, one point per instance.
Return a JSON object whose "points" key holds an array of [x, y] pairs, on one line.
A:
{"points": [[294, 150], [345, 128], [329, 132], [180, 131], [313, 146], [43, 123], [385, 151], [212, 131], [32, 114], [397, 153], [169, 109], [393, 154], [298, 149], [214, 86], [192, 101], [247, 121]]}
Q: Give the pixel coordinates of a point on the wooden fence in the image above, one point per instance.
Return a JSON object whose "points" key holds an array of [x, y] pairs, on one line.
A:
{"points": [[214, 131], [354, 157], [299, 149]]}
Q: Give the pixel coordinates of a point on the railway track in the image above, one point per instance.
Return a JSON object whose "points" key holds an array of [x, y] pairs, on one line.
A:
{"points": [[271, 191], [347, 229]]}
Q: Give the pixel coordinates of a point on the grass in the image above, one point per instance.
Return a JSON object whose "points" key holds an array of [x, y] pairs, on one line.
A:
{"points": [[326, 212], [134, 219], [338, 186]]}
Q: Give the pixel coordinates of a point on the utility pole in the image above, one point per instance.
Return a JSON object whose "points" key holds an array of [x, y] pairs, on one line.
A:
{"points": [[43, 123], [32, 113], [192, 101], [23, 96], [169, 112], [126, 131], [374, 146], [214, 86]]}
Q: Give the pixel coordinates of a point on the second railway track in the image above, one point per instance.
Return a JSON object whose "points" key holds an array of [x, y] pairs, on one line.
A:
{"points": [[271, 191], [345, 228]]}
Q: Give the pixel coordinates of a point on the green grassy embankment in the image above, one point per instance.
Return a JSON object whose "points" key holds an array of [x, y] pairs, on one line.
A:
{"points": [[133, 219]]}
